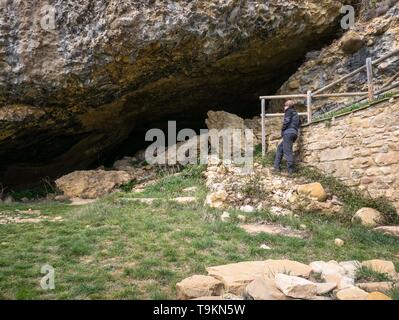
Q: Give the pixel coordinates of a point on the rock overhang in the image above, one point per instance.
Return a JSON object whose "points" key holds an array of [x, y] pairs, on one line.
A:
{"points": [[111, 70]]}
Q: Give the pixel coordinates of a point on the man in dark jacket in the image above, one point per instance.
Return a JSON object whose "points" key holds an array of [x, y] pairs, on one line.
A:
{"points": [[289, 133]]}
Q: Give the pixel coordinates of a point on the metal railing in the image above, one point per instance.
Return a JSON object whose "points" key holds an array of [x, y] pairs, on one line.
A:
{"points": [[310, 96]]}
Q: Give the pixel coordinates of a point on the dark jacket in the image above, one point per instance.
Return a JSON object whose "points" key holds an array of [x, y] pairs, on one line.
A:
{"points": [[291, 122]]}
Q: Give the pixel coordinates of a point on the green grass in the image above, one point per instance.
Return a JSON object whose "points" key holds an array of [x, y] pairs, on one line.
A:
{"points": [[365, 274], [120, 250], [351, 108], [394, 293]]}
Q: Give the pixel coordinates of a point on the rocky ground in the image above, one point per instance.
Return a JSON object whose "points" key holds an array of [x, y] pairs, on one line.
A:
{"points": [[282, 195], [289, 280]]}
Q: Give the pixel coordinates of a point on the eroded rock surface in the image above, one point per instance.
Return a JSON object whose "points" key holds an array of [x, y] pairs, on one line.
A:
{"points": [[110, 69]]}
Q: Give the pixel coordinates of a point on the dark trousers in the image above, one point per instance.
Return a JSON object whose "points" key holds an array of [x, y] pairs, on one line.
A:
{"points": [[285, 149]]}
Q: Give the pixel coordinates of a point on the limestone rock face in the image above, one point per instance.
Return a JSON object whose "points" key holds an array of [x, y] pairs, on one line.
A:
{"points": [[91, 184], [76, 84], [368, 38]]}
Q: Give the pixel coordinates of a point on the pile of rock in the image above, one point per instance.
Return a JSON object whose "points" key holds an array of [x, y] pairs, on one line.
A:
{"points": [[231, 187], [288, 280]]}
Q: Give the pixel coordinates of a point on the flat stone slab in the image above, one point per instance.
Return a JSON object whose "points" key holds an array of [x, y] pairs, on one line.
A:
{"points": [[185, 200], [390, 230], [273, 229], [237, 276], [375, 286], [81, 202]]}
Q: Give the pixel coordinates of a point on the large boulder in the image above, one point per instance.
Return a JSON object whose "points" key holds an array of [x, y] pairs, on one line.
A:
{"points": [[91, 184], [76, 84], [198, 286], [224, 120], [368, 217], [352, 42], [314, 190]]}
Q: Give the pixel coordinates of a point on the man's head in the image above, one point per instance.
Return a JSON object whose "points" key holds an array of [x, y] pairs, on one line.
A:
{"points": [[289, 104]]}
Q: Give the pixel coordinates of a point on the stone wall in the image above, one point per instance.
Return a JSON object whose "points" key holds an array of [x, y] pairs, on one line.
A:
{"points": [[361, 149]]}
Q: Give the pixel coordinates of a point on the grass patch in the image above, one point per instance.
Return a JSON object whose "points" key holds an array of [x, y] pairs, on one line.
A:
{"points": [[394, 293], [123, 250], [365, 274], [252, 189], [351, 108]]}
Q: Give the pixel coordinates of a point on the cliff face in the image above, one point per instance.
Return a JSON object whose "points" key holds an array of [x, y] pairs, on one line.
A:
{"points": [[71, 93], [374, 35]]}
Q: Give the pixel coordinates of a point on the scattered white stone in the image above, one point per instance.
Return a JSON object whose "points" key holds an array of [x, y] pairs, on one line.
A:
{"points": [[185, 200], [277, 211], [265, 247], [339, 242], [247, 209], [242, 218], [190, 189], [303, 227], [81, 202], [225, 216]]}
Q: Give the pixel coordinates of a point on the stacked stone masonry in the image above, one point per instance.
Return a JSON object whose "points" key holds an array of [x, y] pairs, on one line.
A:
{"points": [[361, 149]]}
